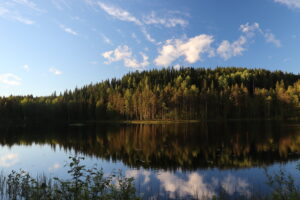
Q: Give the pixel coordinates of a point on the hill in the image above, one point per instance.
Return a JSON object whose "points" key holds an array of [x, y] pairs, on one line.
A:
{"points": [[167, 94]]}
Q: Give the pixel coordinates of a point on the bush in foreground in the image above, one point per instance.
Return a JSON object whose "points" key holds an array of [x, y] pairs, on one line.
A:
{"points": [[85, 184]]}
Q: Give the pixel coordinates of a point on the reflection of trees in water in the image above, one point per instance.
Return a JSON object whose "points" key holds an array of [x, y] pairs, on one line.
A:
{"points": [[172, 146]]}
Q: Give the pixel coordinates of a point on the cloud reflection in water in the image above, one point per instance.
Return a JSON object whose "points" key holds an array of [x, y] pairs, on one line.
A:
{"points": [[191, 185], [9, 159]]}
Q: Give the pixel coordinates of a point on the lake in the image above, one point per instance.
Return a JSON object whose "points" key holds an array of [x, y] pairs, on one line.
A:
{"points": [[168, 161]]}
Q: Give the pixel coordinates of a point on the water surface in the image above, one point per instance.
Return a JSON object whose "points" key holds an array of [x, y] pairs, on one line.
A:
{"points": [[167, 161]]}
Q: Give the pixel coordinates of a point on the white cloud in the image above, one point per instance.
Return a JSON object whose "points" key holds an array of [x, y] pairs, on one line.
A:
{"points": [[169, 22], [133, 63], [119, 13], [120, 53], [11, 10], [290, 3], [133, 35], [23, 20], [28, 4], [9, 160], [68, 30], [124, 15], [147, 35], [124, 53], [152, 18], [55, 71], [270, 37], [61, 4], [227, 50], [10, 79], [192, 49], [26, 67], [250, 29], [6, 13], [106, 39]]}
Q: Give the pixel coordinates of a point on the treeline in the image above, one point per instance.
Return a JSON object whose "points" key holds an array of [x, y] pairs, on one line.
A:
{"points": [[168, 94]]}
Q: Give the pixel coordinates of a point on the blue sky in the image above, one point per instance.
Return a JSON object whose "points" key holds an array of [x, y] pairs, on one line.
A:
{"points": [[56, 45]]}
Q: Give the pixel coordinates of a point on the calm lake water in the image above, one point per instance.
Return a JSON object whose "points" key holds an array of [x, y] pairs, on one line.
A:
{"points": [[167, 161]]}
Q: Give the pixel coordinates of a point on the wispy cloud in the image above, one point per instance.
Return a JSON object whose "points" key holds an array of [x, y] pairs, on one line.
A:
{"points": [[147, 35], [14, 15], [289, 3], [124, 53], [133, 35], [227, 50], [61, 4], [251, 30], [15, 9], [23, 20], [270, 37], [119, 13], [28, 4], [10, 79], [192, 49], [55, 71], [151, 19], [68, 30], [106, 39], [169, 22]]}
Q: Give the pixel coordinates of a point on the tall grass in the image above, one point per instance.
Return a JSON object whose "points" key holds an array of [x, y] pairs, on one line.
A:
{"points": [[85, 184], [92, 184], [283, 185]]}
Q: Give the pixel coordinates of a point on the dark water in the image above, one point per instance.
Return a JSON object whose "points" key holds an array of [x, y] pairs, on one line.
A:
{"points": [[167, 161]]}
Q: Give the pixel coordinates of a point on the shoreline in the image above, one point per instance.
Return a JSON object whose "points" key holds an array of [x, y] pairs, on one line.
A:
{"points": [[175, 121]]}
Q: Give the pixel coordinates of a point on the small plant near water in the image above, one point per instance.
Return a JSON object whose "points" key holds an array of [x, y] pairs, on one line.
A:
{"points": [[283, 185], [85, 184]]}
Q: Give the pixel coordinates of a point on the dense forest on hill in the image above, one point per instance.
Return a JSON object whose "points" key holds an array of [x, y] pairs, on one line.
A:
{"points": [[167, 94]]}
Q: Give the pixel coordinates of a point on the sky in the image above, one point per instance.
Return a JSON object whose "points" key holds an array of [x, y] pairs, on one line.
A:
{"points": [[58, 45]]}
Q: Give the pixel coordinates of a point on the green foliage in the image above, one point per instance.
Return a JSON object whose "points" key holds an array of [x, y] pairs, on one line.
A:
{"points": [[85, 184], [186, 94], [283, 186]]}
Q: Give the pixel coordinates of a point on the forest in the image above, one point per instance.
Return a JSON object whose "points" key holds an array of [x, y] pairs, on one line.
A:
{"points": [[222, 93]]}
